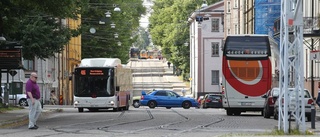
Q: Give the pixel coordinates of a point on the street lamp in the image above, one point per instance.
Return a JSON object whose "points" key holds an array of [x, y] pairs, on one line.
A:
{"points": [[108, 14], [113, 25], [119, 43], [204, 4], [117, 8], [116, 35], [2, 38], [186, 44]]}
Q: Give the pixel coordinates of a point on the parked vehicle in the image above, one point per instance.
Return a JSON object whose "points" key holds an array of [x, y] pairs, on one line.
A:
{"points": [[200, 98], [211, 101], [136, 101], [307, 99], [270, 99], [166, 98], [20, 99]]}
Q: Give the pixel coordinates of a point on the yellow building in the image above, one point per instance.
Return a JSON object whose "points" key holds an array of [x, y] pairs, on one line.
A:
{"points": [[69, 58]]}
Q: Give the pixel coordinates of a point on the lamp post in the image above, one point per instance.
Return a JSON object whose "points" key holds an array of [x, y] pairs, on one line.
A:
{"points": [[186, 44]]}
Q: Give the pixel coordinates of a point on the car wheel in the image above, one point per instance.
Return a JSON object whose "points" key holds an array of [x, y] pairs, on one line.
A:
{"points": [[275, 115], [23, 102], [136, 104], [80, 109], [266, 113], [186, 105], [152, 104]]}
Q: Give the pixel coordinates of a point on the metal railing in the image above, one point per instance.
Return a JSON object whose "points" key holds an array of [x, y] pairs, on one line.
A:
{"points": [[310, 26]]}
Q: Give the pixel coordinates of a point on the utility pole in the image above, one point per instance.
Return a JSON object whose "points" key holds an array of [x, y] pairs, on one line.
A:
{"points": [[291, 57], [312, 48]]}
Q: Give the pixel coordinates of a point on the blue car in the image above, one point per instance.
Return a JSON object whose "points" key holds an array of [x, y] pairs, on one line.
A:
{"points": [[166, 98]]}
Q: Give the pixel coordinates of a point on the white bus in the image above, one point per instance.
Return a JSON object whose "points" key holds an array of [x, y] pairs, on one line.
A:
{"points": [[247, 73], [102, 83]]}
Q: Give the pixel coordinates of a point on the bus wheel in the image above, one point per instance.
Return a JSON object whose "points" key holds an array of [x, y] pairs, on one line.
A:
{"points": [[152, 104], [126, 107], [229, 112], [237, 113], [115, 109], [80, 109]]}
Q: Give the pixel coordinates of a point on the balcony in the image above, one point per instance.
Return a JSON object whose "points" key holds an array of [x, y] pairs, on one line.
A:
{"points": [[310, 27]]}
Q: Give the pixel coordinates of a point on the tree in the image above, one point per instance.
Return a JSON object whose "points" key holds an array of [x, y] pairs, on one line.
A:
{"points": [[36, 24], [102, 43], [169, 29]]}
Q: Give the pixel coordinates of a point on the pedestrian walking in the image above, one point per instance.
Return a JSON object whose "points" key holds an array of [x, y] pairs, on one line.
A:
{"points": [[318, 98], [169, 63], [183, 91], [33, 98]]}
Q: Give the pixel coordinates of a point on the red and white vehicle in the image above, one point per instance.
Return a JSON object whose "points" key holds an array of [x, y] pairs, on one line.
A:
{"points": [[246, 67]]}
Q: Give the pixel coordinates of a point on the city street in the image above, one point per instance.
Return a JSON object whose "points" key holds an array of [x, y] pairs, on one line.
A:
{"points": [[143, 121]]}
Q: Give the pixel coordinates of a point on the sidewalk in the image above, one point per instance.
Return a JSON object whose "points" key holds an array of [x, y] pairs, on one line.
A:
{"points": [[19, 117]]}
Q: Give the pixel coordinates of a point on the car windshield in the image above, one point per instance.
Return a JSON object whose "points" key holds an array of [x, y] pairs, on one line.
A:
{"points": [[214, 97], [306, 94], [293, 94]]}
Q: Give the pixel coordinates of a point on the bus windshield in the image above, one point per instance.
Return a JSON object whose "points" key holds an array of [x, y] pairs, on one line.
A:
{"points": [[244, 45], [93, 85]]}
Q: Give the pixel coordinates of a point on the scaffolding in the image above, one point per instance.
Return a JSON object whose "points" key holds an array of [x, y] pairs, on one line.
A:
{"points": [[266, 12]]}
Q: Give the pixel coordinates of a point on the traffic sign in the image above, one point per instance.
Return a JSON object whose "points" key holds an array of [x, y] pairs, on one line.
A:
{"points": [[13, 72], [315, 55]]}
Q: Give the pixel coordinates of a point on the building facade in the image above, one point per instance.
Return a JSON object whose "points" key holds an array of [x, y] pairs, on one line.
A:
{"points": [[53, 73], [206, 40]]}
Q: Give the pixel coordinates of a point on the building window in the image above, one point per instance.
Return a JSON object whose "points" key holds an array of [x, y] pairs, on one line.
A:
{"points": [[228, 10], [215, 49], [28, 64], [236, 4], [236, 29], [214, 77], [215, 25]]}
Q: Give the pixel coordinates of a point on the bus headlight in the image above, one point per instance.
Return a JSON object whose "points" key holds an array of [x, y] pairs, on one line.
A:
{"points": [[76, 102], [111, 102]]}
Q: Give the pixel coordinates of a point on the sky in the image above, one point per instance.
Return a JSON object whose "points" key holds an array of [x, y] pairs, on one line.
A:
{"points": [[144, 22]]}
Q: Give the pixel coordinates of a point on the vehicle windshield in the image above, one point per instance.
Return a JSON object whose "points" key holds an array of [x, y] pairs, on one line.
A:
{"points": [[306, 94], [86, 86], [292, 94], [247, 44], [93, 83]]}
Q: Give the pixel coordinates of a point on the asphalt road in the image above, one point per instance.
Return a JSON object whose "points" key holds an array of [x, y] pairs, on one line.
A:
{"points": [[145, 122]]}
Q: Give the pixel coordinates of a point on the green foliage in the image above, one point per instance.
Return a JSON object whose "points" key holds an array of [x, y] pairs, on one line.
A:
{"points": [[35, 24], [102, 43], [170, 30]]}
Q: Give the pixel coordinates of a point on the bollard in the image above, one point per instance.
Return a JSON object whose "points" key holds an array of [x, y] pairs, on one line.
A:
{"points": [[313, 116]]}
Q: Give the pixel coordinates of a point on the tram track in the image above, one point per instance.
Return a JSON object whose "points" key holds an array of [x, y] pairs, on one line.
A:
{"points": [[184, 119]]}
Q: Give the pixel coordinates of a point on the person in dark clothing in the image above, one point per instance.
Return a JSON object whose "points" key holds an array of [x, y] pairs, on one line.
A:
{"points": [[169, 64], [318, 98]]}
